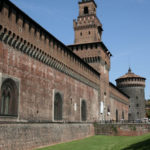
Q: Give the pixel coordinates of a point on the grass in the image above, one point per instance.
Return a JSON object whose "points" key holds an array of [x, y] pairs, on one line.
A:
{"points": [[106, 143]]}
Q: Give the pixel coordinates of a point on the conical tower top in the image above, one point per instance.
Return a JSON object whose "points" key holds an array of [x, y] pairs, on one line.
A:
{"points": [[129, 70]]}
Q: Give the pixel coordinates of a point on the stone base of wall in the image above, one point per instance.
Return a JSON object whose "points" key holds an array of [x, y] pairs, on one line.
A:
{"points": [[27, 136], [122, 129]]}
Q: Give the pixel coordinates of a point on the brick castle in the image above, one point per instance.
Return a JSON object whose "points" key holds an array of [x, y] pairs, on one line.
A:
{"points": [[49, 89]]}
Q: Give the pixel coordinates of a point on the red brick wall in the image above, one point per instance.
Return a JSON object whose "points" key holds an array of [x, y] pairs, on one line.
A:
{"points": [[119, 102], [41, 39], [37, 82], [122, 129]]}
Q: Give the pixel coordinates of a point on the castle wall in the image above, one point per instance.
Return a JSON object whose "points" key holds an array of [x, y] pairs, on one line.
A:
{"points": [[17, 136], [37, 85], [96, 55], [122, 129], [119, 102], [42, 66], [25, 34]]}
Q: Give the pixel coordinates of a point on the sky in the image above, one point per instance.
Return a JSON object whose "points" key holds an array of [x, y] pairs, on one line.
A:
{"points": [[126, 34]]}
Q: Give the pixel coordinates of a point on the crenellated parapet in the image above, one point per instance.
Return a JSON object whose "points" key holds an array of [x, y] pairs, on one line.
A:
{"points": [[23, 34], [95, 52]]}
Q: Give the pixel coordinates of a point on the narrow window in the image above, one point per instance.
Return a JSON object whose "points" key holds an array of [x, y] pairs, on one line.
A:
{"points": [[116, 115], [108, 111], [86, 10], [138, 115], [83, 110], [9, 98], [80, 33], [58, 106], [129, 116], [123, 115]]}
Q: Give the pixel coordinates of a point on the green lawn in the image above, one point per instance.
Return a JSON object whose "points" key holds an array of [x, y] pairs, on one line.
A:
{"points": [[106, 143]]}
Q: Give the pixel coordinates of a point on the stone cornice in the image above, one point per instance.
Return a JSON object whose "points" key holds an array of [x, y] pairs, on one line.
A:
{"points": [[130, 85], [80, 27], [31, 50], [76, 47]]}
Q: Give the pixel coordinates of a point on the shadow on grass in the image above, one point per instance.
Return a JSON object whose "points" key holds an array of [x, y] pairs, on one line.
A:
{"points": [[144, 145]]}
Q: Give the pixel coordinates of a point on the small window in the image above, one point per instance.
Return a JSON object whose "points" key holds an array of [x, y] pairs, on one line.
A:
{"points": [[80, 33], [89, 32], [108, 111], [58, 106], [117, 119], [9, 98], [122, 114], [83, 110], [86, 10], [137, 97], [105, 68], [137, 105]]}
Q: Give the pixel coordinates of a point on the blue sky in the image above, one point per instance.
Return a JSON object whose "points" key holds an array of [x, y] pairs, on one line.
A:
{"points": [[126, 25]]}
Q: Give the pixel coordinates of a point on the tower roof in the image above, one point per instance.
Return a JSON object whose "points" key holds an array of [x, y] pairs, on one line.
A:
{"points": [[130, 74], [86, 1]]}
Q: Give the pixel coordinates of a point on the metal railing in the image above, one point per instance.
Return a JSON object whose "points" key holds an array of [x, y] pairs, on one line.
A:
{"points": [[123, 122]]}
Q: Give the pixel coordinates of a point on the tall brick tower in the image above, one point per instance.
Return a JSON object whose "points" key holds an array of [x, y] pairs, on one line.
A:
{"points": [[87, 27], [89, 46], [133, 85]]}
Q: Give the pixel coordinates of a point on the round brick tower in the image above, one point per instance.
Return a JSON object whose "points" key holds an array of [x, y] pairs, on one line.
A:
{"points": [[134, 86]]}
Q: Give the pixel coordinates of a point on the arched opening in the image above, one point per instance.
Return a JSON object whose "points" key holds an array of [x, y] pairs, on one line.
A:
{"points": [[129, 117], [83, 110], [86, 10], [138, 115], [9, 98], [116, 115], [108, 111], [58, 107]]}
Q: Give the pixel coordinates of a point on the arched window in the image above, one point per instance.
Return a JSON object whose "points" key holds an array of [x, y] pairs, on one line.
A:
{"points": [[116, 115], [83, 110], [108, 111], [58, 106], [9, 98]]}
